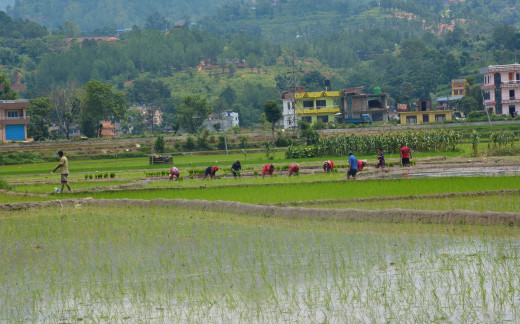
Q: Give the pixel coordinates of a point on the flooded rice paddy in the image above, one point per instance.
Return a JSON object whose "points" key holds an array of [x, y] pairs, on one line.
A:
{"points": [[156, 264]]}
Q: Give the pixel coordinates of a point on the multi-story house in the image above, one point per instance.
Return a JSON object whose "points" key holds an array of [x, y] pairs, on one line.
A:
{"points": [[501, 89], [13, 120], [310, 107]]}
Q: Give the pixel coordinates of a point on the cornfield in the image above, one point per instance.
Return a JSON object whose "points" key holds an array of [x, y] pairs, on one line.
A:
{"points": [[420, 141]]}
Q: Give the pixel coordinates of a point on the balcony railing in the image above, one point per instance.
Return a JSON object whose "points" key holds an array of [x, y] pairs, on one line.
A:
{"points": [[14, 118], [510, 83]]}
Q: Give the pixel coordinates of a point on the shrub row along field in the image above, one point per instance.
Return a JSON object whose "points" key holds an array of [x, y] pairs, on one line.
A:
{"points": [[422, 141], [142, 264]]}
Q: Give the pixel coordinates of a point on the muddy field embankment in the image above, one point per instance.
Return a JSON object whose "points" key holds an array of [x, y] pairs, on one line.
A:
{"points": [[353, 215]]}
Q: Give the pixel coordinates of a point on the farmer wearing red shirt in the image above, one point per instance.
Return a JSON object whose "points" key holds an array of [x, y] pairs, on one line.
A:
{"points": [[211, 170], [174, 172], [406, 155], [361, 164], [294, 168], [267, 169], [328, 166]]}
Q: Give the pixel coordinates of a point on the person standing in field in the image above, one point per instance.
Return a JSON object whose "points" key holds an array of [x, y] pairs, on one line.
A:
{"points": [[174, 172], [328, 166], [352, 166], [211, 172], [235, 168], [294, 168], [267, 169], [406, 155], [64, 165], [380, 159]]}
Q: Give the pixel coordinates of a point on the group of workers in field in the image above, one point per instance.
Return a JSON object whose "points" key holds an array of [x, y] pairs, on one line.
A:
{"points": [[353, 167]]}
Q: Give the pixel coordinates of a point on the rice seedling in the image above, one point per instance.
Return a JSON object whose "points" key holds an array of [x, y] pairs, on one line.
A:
{"points": [[120, 263]]}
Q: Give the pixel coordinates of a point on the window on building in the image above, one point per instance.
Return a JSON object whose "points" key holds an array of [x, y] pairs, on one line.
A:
{"points": [[324, 119], [440, 117], [461, 92], [307, 119], [517, 76], [12, 113], [455, 92], [426, 118], [487, 95], [411, 119], [308, 104], [511, 94], [321, 104]]}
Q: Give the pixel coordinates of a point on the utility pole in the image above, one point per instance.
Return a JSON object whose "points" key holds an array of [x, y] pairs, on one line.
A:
{"points": [[292, 85]]}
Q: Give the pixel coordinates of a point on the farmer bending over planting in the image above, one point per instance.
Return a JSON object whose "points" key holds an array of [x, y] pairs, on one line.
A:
{"points": [[352, 166], [328, 166], [235, 168], [210, 171], [174, 172], [267, 169], [64, 165], [361, 164], [294, 168]]}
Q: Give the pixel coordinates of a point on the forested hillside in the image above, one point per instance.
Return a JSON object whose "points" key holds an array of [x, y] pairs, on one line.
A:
{"points": [[95, 14], [409, 49]]}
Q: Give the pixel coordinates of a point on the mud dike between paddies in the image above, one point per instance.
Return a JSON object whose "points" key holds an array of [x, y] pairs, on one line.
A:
{"points": [[350, 215]]}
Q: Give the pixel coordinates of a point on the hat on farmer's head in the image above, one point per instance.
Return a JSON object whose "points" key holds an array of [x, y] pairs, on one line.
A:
{"points": [[350, 153], [364, 161]]}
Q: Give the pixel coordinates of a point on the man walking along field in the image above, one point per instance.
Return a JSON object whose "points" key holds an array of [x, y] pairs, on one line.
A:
{"points": [[64, 165]]}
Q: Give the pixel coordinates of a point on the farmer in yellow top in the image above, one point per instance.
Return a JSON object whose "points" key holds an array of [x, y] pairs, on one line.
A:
{"points": [[64, 165]]}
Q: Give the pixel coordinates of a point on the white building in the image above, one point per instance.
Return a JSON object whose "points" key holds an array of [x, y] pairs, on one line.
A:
{"points": [[501, 89], [229, 120]]}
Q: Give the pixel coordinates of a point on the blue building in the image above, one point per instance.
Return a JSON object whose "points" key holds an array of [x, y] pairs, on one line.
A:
{"points": [[13, 120]]}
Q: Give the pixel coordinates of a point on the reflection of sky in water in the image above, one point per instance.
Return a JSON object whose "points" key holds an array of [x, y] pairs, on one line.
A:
{"points": [[456, 172], [222, 273]]}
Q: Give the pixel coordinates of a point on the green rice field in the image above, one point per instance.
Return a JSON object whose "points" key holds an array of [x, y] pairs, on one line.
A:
{"points": [[125, 257], [137, 264]]}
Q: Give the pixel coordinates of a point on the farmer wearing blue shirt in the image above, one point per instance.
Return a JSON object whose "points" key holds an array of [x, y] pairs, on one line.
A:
{"points": [[352, 166]]}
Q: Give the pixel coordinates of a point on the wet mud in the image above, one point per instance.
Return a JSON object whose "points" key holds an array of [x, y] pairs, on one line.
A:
{"points": [[354, 215]]}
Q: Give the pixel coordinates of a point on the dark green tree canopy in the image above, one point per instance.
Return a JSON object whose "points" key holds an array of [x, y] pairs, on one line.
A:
{"points": [[99, 103], [191, 113], [39, 111], [273, 113]]}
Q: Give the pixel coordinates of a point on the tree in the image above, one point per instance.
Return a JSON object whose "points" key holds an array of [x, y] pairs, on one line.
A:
{"points": [[6, 93], [65, 101], [191, 113], [313, 81], [40, 112], [148, 92], [72, 30], [157, 22], [159, 144], [99, 103], [273, 113]]}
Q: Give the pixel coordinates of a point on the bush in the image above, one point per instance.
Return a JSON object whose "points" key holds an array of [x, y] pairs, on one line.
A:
{"points": [[190, 143], [112, 175], [4, 185], [159, 144]]}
